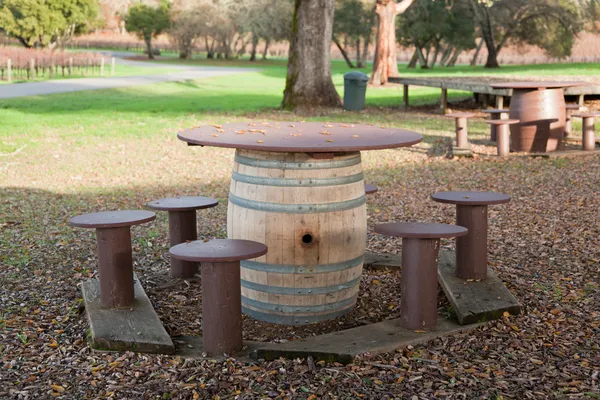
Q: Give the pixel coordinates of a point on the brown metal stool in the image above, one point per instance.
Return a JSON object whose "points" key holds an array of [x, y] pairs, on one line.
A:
{"points": [[420, 247], [221, 291], [113, 241], [462, 140], [182, 226], [495, 115], [589, 130], [569, 108], [502, 134], [370, 189], [472, 213]]}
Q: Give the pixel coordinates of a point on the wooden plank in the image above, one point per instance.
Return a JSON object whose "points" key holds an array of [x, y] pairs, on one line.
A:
{"points": [[132, 329], [343, 346], [474, 301]]}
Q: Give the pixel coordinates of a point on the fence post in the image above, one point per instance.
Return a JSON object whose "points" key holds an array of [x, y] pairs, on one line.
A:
{"points": [[9, 70], [70, 66], [31, 68], [102, 66], [112, 67]]}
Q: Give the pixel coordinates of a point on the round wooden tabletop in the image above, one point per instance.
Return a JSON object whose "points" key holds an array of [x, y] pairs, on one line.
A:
{"points": [[573, 107], [535, 85], [300, 137], [418, 230], [585, 115], [495, 111], [460, 115], [471, 198], [502, 121], [218, 250], [183, 203], [112, 219]]}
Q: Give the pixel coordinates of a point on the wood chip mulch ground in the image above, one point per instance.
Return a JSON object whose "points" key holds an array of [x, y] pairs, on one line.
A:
{"points": [[545, 245]]}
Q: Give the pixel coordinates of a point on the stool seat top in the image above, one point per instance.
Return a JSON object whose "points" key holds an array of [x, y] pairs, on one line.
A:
{"points": [[183, 203], [420, 230], [573, 107], [461, 115], [471, 198], [585, 115], [370, 189], [502, 121], [495, 111], [218, 250], [112, 219]]}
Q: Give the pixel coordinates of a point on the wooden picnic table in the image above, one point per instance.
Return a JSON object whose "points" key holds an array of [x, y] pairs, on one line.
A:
{"points": [[298, 188]]}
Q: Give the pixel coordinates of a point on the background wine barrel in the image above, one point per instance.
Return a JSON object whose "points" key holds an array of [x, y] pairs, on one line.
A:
{"points": [[311, 214], [542, 114]]}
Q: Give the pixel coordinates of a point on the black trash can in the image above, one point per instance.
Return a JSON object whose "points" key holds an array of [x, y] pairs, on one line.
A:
{"points": [[355, 89]]}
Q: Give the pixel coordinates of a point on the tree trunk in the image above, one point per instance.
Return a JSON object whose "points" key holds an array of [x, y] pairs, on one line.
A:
{"points": [[421, 58], [365, 50], [476, 55], [413, 60], [254, 45], [358, 60], [386, 63], [344, 54], [454, 58], [266, 50], [446, 54], [148, 40], [308, 83], [210, 49], [436, 53]]}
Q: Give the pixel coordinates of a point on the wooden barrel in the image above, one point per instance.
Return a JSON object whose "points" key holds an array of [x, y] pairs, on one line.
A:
{"points": [[542, 115], [311, 214]]}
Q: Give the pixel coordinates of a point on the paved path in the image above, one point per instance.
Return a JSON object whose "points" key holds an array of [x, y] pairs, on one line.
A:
{"points": [[74, 85]]}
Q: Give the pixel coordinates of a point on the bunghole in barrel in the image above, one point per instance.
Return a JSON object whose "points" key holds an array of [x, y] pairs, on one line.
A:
{"points": [[311, 214]]}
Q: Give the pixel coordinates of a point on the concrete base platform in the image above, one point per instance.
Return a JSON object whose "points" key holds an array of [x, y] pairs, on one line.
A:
{"points": [[565, 153], [462, 152], [382, 261], [341, 347], [136, 329], [474, 301]]}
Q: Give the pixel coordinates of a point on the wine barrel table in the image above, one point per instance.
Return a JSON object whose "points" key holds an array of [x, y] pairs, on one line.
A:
{"points": [[540, 108], [298, 188]]}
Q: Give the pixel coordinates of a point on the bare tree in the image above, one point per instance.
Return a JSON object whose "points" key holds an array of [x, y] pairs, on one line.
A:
{"points": [[385, 63]]}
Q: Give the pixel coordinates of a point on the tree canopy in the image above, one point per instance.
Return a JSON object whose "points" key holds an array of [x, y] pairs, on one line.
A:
{"points": [[148, 22], [549, 24], [46, 22], [435, 29]]}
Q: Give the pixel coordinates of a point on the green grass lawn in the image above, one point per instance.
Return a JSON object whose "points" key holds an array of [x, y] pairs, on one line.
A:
{"points": [[166, 107]]}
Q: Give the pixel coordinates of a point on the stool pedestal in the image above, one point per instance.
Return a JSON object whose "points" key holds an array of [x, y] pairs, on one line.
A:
{"points": [[472, 213], [182, 227], [471, 250], [502, 135], [221, 291], [419, 283], [221, 307], [113, 243], [115, 267], [420, 249], [495, 114]]}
